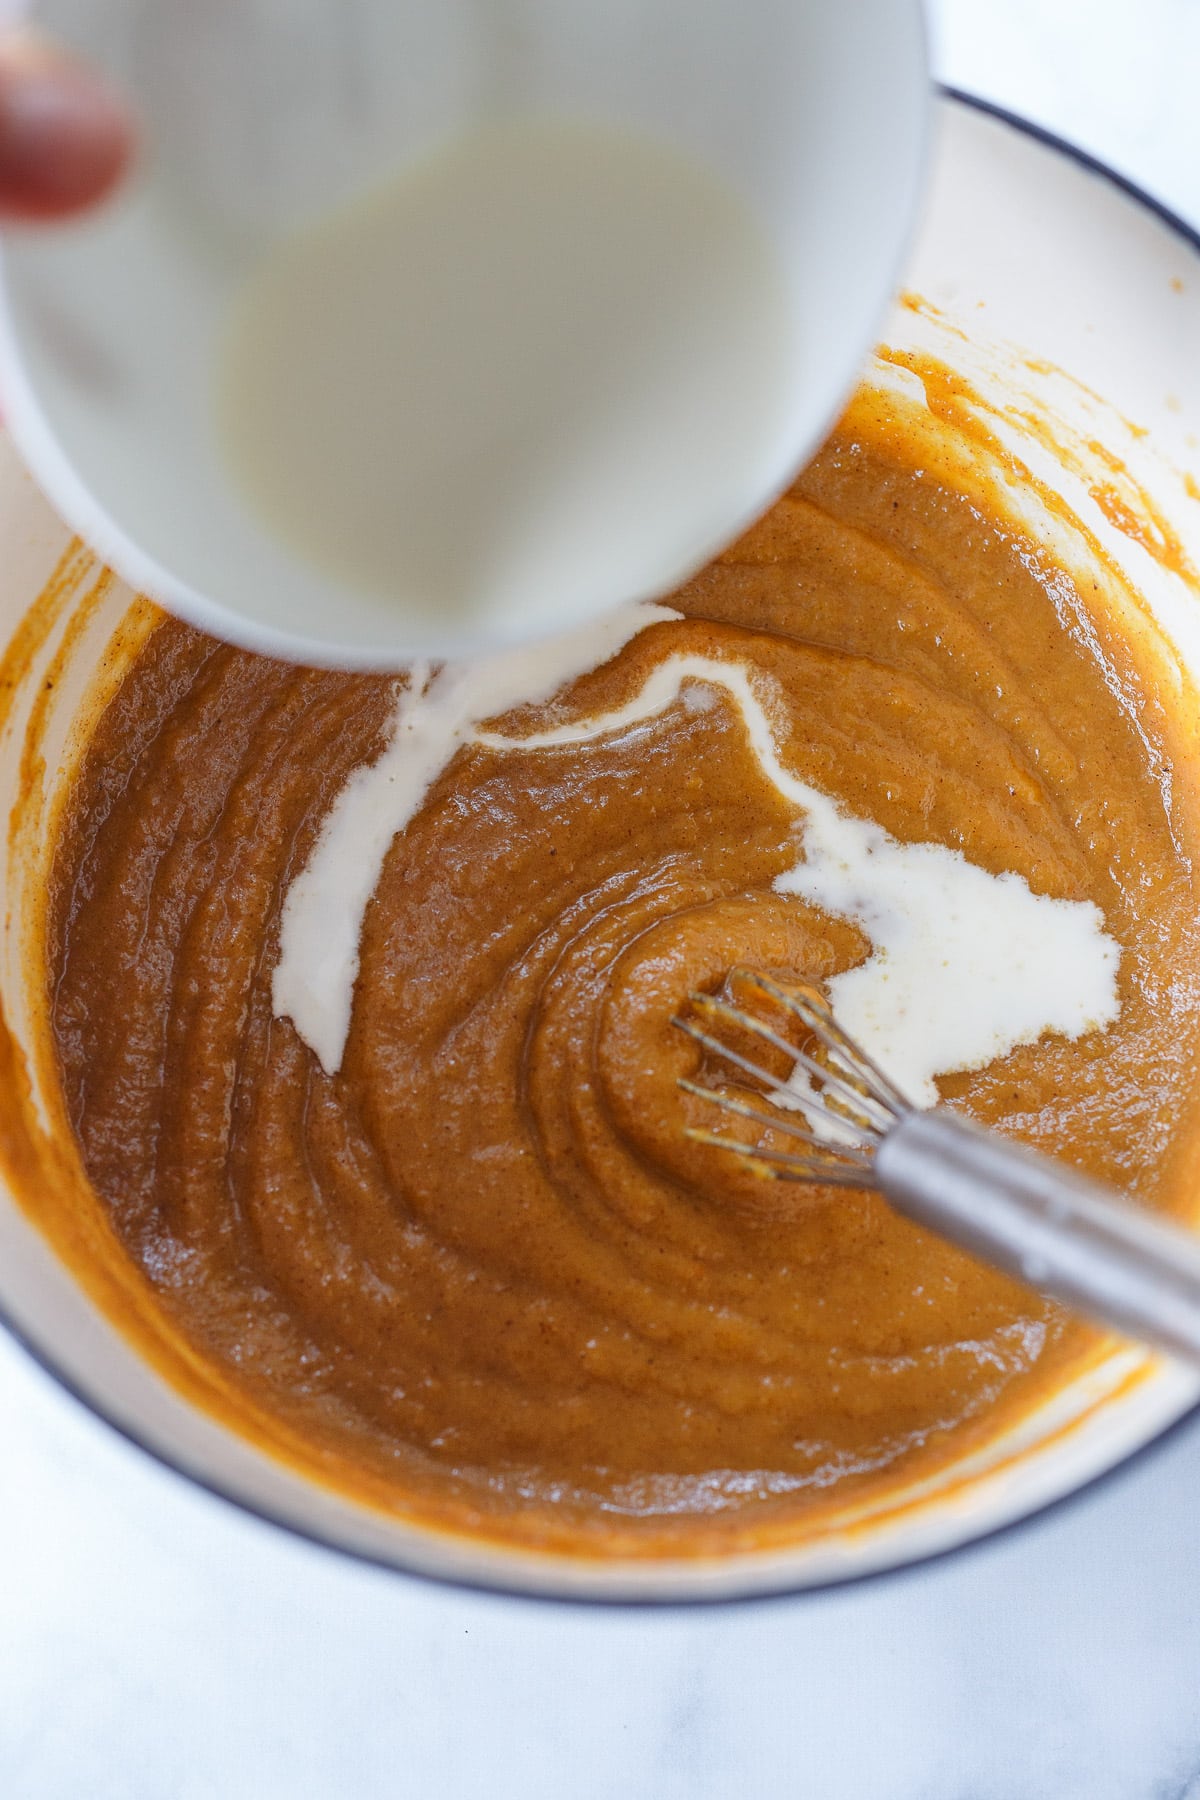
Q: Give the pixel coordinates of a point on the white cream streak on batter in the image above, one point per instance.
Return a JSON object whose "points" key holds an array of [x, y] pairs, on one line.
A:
{"points": [[964, 965]]}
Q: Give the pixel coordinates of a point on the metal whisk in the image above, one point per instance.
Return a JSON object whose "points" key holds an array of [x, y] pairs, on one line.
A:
{"points": [[1080, 1242]]}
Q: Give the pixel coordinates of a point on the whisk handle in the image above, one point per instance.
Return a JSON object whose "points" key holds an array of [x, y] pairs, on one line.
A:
{"points": [[1075, 1240]]}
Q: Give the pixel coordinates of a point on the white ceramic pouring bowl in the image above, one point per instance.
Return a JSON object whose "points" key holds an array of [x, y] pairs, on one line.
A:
{"points": [[1103, 288], [260, 118]]}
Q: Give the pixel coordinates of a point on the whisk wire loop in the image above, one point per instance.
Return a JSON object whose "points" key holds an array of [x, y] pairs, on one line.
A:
{"points": [[814, 1011], [776, 1122], [875, 1114], [849, 1104], [778, 1165]]}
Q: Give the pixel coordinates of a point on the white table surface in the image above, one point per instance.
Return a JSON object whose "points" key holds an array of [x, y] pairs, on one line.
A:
{"points": [[155, 1645]]}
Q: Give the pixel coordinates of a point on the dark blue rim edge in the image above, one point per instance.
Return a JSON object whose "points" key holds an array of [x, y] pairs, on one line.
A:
{"points": [[905, 1571]]}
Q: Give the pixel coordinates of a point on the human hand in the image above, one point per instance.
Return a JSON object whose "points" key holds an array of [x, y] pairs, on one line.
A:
{"points": [[65, 140]]}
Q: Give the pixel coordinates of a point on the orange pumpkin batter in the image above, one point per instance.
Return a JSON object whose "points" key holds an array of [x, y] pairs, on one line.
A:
{"points": [[479, 1271]]}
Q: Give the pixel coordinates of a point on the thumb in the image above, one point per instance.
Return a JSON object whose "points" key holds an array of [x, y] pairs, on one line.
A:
{"points": [[65, 140]]}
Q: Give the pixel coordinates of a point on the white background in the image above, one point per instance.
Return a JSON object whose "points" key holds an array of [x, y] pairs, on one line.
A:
{"points": [[155, 1645]]}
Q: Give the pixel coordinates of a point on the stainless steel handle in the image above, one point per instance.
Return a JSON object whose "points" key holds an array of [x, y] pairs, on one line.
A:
{"points": [[1074, 1239]]}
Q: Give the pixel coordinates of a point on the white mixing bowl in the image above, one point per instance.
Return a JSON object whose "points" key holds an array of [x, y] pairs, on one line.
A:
{"points": [[1040, 265]]}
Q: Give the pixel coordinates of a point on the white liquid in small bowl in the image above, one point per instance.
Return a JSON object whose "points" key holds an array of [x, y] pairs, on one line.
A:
{"points": [[516, 383]]}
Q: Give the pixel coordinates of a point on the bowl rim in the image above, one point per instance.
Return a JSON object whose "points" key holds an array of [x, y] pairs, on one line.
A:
{"points": [[511, 1588]]}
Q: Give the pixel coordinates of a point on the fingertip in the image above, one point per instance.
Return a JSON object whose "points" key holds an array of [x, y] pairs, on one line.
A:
{"points": [[65, 139]]}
